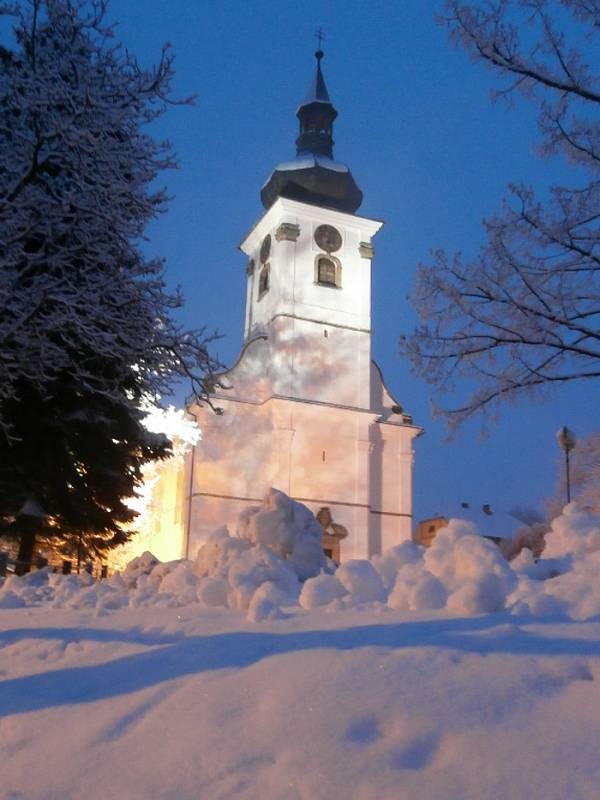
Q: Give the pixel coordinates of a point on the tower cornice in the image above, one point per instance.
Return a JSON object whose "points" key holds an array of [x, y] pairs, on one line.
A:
{"points": [[294, 210]]}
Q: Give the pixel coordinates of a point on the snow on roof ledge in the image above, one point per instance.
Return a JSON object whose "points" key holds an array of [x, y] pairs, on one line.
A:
{"points": [[308, 160]]}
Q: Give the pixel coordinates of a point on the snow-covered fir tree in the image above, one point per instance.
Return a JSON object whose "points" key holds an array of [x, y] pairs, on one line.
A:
{"points": [[87, 329]]}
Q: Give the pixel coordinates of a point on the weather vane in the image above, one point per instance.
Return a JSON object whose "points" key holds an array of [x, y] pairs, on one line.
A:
{"points": [[320, 36]]}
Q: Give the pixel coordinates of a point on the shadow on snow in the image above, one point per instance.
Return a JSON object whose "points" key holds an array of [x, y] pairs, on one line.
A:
{"points": [[176, 656]]}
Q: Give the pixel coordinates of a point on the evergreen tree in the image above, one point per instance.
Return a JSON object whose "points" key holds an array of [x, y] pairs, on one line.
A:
{"points": [[87, 330]]}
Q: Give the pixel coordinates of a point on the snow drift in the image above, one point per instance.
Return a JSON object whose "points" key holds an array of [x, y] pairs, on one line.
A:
{"points": [[274, 562], [565, 579]]}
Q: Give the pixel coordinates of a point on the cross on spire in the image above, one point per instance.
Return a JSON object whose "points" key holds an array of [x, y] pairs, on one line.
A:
{"points": [[319, 36]]}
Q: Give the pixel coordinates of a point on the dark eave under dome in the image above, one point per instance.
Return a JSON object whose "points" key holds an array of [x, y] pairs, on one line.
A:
{"points": [[314, 177], [313, 181]]}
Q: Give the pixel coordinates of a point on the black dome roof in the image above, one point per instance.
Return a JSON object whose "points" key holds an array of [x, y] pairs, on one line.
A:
{"points": [[316, 183]]}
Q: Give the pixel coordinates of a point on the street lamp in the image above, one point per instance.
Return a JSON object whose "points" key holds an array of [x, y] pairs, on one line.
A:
{"points": [[566, 441]]}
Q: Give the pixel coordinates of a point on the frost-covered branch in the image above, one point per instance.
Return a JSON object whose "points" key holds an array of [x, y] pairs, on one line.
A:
{"points": [[76, 167], [525, 313]]}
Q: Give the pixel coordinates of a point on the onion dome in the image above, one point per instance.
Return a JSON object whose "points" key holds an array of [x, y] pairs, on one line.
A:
{"points": [[313, 176]]}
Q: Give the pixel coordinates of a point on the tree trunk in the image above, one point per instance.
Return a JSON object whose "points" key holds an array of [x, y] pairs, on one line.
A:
{"points": [[26, 551]]}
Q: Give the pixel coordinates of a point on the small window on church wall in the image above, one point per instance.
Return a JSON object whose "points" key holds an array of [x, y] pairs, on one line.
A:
{"points": [[263, 281], [327, 272]]}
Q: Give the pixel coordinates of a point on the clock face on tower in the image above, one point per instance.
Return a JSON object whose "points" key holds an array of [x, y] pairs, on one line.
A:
{"points": [[328, 238]]}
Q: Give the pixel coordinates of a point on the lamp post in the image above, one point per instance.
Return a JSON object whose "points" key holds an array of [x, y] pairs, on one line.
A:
{"points": [[566, 441]]}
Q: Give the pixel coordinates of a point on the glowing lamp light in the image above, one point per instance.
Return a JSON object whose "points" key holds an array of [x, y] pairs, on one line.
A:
{"points": [[566, 439]]}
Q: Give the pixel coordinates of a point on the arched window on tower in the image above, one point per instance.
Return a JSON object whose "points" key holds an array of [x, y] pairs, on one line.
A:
{"points": [[263, 281], [328, 271]]}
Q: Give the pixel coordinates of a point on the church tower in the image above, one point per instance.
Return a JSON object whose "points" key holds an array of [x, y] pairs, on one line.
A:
{"points": [[305, 409]]}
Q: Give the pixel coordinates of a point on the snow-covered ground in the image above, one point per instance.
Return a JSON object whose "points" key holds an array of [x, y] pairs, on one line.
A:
{"points": [[254, 673], [196, 703]]}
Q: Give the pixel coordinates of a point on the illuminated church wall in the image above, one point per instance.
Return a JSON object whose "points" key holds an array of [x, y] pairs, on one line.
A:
{"points": [[304, 409]]}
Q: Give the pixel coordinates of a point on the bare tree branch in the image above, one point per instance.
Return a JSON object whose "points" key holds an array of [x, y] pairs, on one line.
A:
{"points": [[524, 314]]}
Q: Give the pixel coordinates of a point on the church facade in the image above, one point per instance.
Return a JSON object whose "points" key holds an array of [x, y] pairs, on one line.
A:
{"points": [[305, 409]]}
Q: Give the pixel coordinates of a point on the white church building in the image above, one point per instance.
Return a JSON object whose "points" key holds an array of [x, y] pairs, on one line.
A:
{"points": [[305, 408]]}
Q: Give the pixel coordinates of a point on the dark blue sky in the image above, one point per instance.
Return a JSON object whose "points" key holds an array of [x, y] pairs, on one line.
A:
{"points": [[430, 151]]}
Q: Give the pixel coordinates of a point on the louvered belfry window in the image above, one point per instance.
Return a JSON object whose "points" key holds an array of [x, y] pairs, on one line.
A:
{"points": [[326, 272], [264, 281]]}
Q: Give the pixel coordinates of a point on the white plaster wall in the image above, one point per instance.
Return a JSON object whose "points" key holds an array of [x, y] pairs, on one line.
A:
{"points": [[210, 513], [236, 455], [292, 268], [391, 482], [322, 455], [392, 530], [319, 362], [396, 483]]}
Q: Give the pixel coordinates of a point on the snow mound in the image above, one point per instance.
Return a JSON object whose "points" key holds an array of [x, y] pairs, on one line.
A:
{"points": [[467, 574], [288, 529], [574, 533], [10, 599], [461, 571], [275, 562], [473, 570], [321, 591], [564, 581], [258, 566], [265, 603], [417, 590], [277, 546], [388, 564], [362, 581], [217, 554]]}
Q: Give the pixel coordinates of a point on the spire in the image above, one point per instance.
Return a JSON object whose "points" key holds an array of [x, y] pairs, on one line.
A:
{"points": [[316, 115], [314, 177], [317, 92]]}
